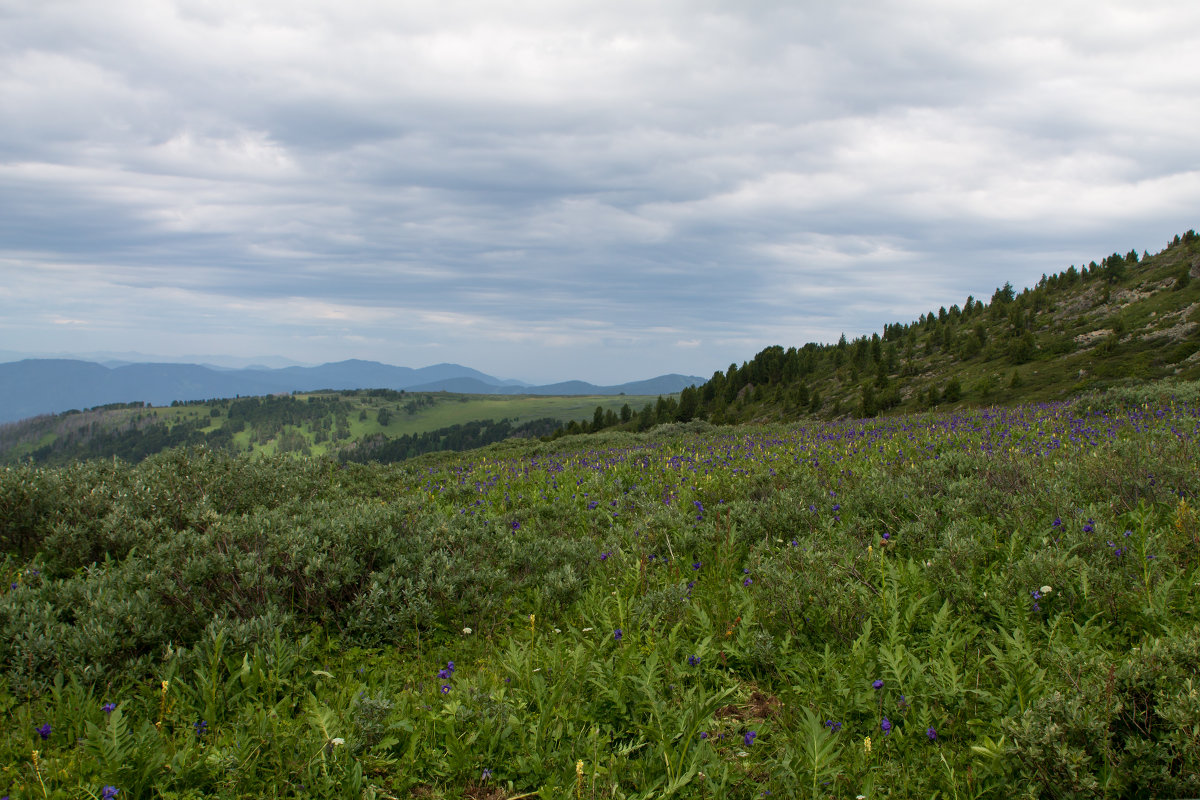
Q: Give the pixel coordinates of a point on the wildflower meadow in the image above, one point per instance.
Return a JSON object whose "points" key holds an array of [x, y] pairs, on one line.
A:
{"points": [[995, 603]]}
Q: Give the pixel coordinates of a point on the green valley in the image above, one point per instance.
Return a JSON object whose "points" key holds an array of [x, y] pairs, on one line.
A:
{"points": [[314, 423]]}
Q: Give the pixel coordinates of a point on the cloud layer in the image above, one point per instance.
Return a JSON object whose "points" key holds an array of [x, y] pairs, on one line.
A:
{"points": [[547, 190]]}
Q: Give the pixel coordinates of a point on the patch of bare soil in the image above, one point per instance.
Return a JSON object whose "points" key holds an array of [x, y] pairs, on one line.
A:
{"points": [[758, 706]]}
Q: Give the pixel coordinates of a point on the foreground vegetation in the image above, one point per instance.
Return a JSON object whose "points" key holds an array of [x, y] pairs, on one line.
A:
{"points": [[991, 604]]}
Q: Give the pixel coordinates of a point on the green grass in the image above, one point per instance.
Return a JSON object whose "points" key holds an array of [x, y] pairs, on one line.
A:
{"points": [[455, 409], [430, 412]]}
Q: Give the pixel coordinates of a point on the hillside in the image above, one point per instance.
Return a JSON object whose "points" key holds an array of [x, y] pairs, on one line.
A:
{"points": [[354, 425], [1126, 319]]}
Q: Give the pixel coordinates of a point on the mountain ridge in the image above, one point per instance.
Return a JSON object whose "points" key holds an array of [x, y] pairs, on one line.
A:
{"points": [[32, 387]]}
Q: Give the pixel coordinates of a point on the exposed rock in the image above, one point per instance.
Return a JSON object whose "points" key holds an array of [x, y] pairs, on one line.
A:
{"points": [[1126, 296], [1077, 305], [1091, 336], [1175, 333]]}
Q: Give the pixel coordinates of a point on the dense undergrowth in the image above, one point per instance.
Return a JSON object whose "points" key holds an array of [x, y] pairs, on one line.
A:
{"points": [[993, 604]]}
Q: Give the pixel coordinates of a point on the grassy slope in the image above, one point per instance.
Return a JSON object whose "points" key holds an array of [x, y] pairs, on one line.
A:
{"points": [[455, 409], [1087, 336], [443, 410]]}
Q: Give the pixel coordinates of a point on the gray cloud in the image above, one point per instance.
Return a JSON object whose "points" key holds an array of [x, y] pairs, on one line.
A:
{"points": [[550, 190]]}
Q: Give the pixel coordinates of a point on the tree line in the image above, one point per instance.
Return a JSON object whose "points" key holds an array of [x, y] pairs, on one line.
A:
{"points": [[463, 436], [891, 367]]}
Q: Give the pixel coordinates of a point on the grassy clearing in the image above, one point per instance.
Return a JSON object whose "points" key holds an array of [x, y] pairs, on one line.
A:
{"points": [[316, 423], [455, 409], [994, 604]]}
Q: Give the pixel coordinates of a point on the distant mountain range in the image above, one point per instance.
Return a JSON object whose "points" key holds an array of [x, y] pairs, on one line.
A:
{"points": [[49, 386]]}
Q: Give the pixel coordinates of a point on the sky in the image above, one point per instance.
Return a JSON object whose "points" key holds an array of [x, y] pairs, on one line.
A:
{"points": [[554, 190]]}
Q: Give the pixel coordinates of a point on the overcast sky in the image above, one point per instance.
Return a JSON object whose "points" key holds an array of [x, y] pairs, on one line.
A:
{"points": [[548, 190]]}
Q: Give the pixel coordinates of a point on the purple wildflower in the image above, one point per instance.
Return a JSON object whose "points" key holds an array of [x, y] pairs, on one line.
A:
{"points": [[617, 634], [44, 731], [877, 684], [749, 737], [886, 726], [108, 708], [931, 733]]}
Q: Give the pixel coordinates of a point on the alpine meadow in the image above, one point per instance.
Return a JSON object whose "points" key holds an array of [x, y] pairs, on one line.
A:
{"points": [[959, 558]]}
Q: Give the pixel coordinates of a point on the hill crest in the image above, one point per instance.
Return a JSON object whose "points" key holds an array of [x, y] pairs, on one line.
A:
{"points": [[33, 387]]}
